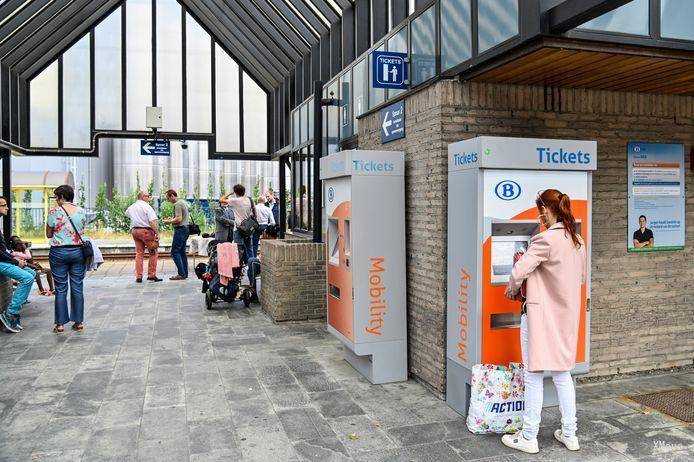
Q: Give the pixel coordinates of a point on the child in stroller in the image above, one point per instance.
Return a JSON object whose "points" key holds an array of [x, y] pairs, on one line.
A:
{"points": [[213, 283]]}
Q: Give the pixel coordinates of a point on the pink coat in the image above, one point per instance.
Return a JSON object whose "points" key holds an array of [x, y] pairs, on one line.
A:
{"points": [[555, 270]]}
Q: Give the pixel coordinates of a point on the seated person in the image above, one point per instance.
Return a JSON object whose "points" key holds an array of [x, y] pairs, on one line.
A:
{"points": [[20, 251]]}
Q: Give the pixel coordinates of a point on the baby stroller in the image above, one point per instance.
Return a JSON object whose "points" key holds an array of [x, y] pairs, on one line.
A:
{"points": [[212, 285]]}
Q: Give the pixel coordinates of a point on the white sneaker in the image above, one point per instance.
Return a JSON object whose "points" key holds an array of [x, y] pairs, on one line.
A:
{"points": [[570, 443], [516, 441]]}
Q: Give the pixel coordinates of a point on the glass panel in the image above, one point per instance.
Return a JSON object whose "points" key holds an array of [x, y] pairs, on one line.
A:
{"points": [[498, 21], [359, 88], [346, 104], [309, 180], [333, 120], [43, 108], [376, 95], [296, 128], [456, 32], [676, 19], [309, 103], [107, 73], [631, 18], [227, 102], [76, 107], [304, 123], [423, 47], [254, 116], [138, 56], [198, 77], [169, 74], [296, 191], [398, 43], [305, 190]]}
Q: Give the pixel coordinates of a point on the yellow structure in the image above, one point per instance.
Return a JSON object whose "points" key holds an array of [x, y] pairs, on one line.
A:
{"points": [[37, 181]]}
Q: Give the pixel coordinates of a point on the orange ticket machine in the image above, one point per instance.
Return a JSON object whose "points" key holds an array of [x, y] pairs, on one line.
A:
{"points": [[364, 195], [492, 186]]}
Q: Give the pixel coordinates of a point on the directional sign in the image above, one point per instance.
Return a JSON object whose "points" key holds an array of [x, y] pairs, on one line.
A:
{"points": [[393, 122], [155, 148], [390, 70]]}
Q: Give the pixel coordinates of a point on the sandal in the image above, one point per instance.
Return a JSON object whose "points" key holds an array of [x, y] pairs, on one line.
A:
{"points": [[58, 329], [78, 326]]}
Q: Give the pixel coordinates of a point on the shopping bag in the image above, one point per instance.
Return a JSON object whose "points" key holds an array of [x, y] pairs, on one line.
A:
{"points": [[496, 400]]}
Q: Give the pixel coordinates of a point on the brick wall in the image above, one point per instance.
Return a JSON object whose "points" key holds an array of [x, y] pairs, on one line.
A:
{"points": [[6, 291], [642, 315], [293, 280]]}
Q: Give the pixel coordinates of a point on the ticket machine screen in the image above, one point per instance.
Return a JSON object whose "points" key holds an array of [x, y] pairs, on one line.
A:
{"points": [[503, 250]]}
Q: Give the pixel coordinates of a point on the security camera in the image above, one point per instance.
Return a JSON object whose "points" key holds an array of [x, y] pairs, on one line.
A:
{"points": [[184, 144]]}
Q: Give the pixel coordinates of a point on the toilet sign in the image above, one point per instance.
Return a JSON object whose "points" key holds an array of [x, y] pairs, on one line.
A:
{"points": [[393, 122], [390, 70]]}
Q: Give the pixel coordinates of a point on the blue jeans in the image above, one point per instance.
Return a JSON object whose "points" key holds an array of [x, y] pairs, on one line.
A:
{"points": [[25, 277], [178, 250], [67, 263], [256, 238], [253, 270], [246, 242]]}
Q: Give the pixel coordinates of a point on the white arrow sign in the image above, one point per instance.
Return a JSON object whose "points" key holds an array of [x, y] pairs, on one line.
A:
{"points": [[147, 147], [386, 123]]}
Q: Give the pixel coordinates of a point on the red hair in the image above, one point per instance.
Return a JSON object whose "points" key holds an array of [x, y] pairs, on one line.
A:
{"points": [[560, 205]]}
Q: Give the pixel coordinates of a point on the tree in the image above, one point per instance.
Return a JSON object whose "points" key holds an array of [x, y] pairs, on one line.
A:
{"points": [[222, 188], [150, 190], [27, 223], [101, 206], [81, 195], [138, 187], [210, 186], [256, 187]]}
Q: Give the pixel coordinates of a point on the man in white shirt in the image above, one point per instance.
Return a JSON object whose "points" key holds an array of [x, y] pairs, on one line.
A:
{"points": [[145, 231], [265, 218]]}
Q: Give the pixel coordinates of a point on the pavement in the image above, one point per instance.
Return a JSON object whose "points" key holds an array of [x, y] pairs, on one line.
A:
{"points": [[156, 376]]}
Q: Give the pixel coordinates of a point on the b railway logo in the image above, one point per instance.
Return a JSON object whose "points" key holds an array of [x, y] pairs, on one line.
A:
{"points": [[331, 194], [507, 190]]}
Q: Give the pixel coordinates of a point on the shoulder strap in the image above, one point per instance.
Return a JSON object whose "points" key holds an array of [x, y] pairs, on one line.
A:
{"points": [[73, 224], [255, 214]]}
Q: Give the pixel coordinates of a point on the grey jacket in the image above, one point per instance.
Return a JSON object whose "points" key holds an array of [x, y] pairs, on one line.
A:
{"points": [[224, 224]]}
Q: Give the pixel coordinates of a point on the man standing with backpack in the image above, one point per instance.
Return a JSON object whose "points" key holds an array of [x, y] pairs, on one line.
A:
{"points": [[244, 218]]}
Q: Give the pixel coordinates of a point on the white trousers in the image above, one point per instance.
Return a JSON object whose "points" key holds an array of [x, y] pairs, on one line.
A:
{"points": [[533, 394]]}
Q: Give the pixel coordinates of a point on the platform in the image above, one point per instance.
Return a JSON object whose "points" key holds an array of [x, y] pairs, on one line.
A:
{"points": [[155, 376]]}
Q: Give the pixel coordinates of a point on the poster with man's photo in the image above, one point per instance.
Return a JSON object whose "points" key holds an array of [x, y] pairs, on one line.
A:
{"points": [[656, 197]]}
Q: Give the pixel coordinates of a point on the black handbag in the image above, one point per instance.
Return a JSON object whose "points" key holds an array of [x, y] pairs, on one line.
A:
{"points": [[87, 249], [249, 226], [193, 229]]}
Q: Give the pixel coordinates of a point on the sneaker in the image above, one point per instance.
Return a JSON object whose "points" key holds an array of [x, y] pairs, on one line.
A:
{"points": [[9, 323], [154, 279], [178, 278], [517, 441], [18, 322], [570, 443], [138, 280]]}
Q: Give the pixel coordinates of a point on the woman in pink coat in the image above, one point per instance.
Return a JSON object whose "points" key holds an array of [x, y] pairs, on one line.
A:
{"points": [[554, 271]]}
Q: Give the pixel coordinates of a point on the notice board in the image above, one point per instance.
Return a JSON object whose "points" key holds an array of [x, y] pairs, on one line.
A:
{"points": [[656, 193]]}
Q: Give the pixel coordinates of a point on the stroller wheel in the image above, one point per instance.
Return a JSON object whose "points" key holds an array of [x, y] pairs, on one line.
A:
{"points": [[208, 300], [246, 297]]}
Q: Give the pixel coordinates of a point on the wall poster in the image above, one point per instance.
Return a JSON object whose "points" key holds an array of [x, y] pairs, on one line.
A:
{"points": [[656, 197]]}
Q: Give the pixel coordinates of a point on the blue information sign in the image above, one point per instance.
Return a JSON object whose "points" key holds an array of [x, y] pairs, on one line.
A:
{"points": [[155, 148], [390, 70], [393, 122]]}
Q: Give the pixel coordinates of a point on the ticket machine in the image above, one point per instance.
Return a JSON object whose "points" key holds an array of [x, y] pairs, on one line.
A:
{"points": [[365, 213], [492, 186]]}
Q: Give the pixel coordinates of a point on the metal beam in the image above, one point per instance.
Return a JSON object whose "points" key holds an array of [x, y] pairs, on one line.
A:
{"points": [[312, 18], [344, 4], [379, 15], [348, 44], [307, 75], [324, 58], [570, 14], [7, 191], [270, 16], [317, 154], [293, 19], [335, 48], [325, 9], [14, 23], [399, 11], [362, 26], [37, 60]]}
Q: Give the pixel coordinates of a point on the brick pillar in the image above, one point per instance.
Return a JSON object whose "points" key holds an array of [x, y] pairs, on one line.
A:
{"points": [[6, 292], [293, 280]]}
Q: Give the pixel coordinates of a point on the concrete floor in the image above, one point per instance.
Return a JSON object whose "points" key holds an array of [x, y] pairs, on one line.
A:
{"points": [[155, 376]]}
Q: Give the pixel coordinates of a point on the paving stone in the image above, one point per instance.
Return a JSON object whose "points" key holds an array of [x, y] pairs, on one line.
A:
{"points": [[212, 435], [596, 410], [243, 388], [359, 433], [268, 445], [275, 375], [77, 404], [119, 413], [164, 395], [127, 369], [166, 358], [641, 422], [222, 455], [336, 404], [677, 456], [162, 450], [112, 444], [89, 381], [304, 424], [70, 455], [65, 433], [257, 412], [316, 381], [328, 449], [433, 452], [99, 363], [652, 443], [160, 375], [163, 423], [120, 389], [430, 432], [303, 364], [203, 406], [480, 446], [287, 396]]}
